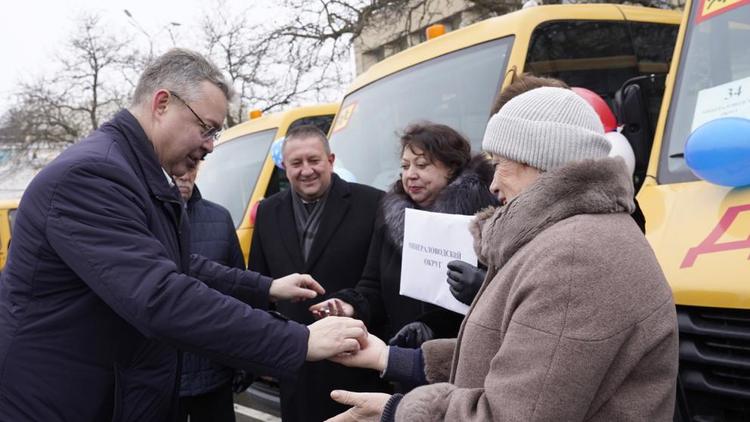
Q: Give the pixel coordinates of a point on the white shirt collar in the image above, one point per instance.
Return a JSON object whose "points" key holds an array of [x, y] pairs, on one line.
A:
{"points": [[169, 178]]}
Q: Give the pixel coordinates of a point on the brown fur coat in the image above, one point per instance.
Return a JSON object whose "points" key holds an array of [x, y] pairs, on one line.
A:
{"points": [[575, 320]]}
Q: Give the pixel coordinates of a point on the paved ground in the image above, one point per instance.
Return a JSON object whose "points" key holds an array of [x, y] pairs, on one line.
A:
{"points": [[248, 414], [249, 409]]}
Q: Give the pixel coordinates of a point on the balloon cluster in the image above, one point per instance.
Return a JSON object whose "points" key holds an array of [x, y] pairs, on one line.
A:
{"points": [[620, 145]]}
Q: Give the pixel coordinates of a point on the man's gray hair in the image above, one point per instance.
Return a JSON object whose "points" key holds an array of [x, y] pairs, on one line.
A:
{"points": [[182, 71]]}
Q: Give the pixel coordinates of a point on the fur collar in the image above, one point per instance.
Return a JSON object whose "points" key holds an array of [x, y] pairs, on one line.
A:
{"points": [[584, 187], [466, 194]]}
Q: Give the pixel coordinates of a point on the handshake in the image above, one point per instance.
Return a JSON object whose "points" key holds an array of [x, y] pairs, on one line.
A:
{"points": [[464, 282], [337, 334]]}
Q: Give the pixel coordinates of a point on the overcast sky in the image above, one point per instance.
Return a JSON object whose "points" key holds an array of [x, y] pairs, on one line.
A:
{"points": [[33, 31]]}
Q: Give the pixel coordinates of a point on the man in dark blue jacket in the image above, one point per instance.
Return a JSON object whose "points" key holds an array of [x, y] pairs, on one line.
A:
{"points": [[206, 386], [100, 290]]}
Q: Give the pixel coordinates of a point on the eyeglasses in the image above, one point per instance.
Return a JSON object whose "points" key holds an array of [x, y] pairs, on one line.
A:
{"points": [[207, 131]]}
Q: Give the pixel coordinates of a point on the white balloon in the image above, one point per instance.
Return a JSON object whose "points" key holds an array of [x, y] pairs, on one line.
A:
{"points": [[345, 174], [621, 148]]}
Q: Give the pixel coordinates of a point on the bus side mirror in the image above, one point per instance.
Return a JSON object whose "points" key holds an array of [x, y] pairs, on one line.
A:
{"points": [[719, 151]]}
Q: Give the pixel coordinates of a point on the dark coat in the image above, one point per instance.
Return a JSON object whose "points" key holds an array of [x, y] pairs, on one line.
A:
{"points": [[336, 260], [376, 299], [95, 300], [213, 236]]}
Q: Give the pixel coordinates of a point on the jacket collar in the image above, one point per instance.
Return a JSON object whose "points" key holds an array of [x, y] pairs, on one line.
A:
{"points": [[584, 187], [143, 153], [336, 207], [196, 196], [134, 143], [466, 194]]}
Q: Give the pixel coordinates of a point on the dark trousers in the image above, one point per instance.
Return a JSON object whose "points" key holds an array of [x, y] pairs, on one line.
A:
{"points": [[214, 406], [308, 399]]}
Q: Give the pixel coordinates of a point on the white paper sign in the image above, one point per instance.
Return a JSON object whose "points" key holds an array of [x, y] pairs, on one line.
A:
{"points": [[431, 241], [727, 100]]}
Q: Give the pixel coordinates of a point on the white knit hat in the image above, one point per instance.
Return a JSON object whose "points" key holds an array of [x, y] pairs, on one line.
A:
{"points": [[546, 128]]}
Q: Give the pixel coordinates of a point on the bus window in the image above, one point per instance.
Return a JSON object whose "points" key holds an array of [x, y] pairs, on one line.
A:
{"points": [[714, 53], [456, 89], [601, 55], [229, 174], [321, 122]]}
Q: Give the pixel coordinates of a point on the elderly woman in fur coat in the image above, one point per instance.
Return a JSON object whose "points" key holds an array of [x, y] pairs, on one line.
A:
{"points": [[575, 320], [437, 174]]}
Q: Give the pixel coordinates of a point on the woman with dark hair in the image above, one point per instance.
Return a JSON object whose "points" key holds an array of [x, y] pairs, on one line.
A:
{"points": [[439, 175]]}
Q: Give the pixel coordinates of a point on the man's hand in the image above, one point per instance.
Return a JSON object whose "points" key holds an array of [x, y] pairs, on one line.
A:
{"points": [[368, 407], [332, 307], [373, 355], [333, 336], [465, 280], [295, 287], [412, 335]]}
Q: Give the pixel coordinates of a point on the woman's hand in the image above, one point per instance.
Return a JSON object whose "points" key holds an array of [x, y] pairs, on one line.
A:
{"points": [[331, 307], [368, 407], [373, 355], [465, 280]]}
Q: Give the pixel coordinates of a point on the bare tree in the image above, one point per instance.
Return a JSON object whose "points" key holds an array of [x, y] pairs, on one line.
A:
{"points": [[36, 126], [339, 20], [86, 86], [91, 70], [332, 25], [267, 72]]}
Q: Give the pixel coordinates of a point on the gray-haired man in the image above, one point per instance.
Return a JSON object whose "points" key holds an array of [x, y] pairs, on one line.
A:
{"points": [[100, 291]]}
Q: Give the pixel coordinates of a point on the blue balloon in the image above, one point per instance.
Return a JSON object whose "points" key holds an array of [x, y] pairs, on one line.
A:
{"points": [[276, 155], [719, 151]]}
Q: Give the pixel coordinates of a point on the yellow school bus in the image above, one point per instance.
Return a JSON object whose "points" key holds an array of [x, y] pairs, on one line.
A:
{"points": [[453, 79], [240, 172], [7, 217], [699, 229]]}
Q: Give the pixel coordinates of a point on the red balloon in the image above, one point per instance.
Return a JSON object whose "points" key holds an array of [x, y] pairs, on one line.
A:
{"points": [[254, 212], [600, 106]]}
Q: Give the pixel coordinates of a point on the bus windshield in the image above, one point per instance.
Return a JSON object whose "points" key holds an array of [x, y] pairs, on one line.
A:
{"points": [[713, 76], [455, 89], [228, 175]]}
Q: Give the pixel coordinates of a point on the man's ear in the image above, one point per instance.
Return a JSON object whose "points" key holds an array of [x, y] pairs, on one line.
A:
{"points": [[160, 102], [331, 158]]}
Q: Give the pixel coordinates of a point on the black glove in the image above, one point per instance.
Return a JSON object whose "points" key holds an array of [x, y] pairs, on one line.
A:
{"points": [[241, 381], [412, 335], [465, 280]]}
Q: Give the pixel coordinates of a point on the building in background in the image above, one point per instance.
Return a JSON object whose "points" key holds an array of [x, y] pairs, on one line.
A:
{"points": [[389, 32]]}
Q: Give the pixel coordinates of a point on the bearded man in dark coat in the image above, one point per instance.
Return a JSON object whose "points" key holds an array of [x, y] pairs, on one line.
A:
{"points": [[321, 226]]}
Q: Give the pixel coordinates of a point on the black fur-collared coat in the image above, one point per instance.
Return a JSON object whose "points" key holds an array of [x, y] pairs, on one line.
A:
{"points": [[376, 297]]}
